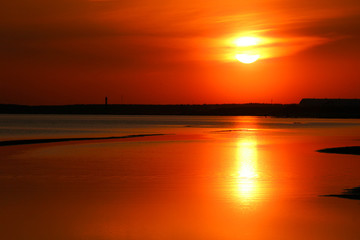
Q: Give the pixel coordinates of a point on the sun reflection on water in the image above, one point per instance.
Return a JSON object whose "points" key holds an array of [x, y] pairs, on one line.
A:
{"points": [[247, 171]]}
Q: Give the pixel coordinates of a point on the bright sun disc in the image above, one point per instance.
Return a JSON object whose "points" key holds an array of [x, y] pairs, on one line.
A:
{"points": [[246, 41], [247, 58]]}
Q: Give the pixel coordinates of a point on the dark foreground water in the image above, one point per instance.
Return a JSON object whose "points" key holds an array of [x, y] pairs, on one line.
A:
{"points": [[207, 178]]}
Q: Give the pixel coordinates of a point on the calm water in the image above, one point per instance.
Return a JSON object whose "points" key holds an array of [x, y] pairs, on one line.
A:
{"points": [[208, 178]]}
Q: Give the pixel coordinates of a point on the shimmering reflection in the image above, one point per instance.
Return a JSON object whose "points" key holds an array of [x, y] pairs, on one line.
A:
{"points": [[247, 171]]}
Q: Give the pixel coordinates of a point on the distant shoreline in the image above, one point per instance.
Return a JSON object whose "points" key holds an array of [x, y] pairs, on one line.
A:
{"points": [[249, 109]]}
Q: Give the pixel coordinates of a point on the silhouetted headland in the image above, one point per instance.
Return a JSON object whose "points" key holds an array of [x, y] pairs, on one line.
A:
{"points": [[354, 150], [307, 108], [54, 140]]}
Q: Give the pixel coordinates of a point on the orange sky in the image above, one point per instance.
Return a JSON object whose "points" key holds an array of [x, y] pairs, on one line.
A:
{"points": [[169, 52]]}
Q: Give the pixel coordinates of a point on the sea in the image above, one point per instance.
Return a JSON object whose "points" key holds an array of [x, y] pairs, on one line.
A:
{"points": [[177, 178]]}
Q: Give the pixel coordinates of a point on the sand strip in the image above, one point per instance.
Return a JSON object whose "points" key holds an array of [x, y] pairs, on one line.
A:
{"points": [[52, 140], [355, 150], [352, 193]]}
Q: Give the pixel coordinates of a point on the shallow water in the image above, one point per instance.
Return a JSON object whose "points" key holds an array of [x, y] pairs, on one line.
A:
{"points": [[208, 178]]}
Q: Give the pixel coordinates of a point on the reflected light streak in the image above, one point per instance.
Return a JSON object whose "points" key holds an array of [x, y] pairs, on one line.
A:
{"points": [[247, 175]]}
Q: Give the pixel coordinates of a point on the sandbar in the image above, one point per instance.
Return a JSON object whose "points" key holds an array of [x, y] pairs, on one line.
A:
{"points": [[352, 193], [354, 150], [54, 140]]}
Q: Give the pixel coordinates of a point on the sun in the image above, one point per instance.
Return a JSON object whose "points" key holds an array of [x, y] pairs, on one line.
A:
{"points": [[247, 58], [246, 41], [247, 49]]}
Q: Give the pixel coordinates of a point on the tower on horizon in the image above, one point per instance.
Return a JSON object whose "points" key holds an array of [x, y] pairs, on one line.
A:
{"points": [[106, 100]]}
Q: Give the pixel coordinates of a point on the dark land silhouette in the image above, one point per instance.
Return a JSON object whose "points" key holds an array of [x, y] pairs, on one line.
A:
{"points": [[352, 193], [311, 108], [354, 150], [329, 102]]}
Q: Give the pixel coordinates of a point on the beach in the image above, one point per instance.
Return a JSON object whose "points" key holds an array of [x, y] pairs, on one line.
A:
{"points": [[177, 177]]}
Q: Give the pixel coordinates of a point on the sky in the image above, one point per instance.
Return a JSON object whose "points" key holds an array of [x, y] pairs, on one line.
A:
{"points": [[177, 52]]}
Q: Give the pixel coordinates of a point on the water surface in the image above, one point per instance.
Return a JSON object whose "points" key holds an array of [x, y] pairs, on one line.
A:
{"points": [[208, 178]]}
